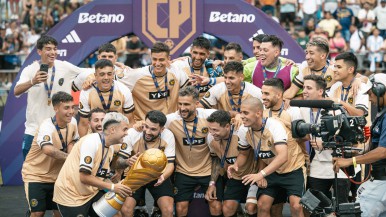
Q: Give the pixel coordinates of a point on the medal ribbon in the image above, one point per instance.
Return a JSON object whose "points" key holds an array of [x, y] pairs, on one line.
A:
{"points": [[234, 108], [257, 150], [190, 139], [227, 148], [64, 143]]}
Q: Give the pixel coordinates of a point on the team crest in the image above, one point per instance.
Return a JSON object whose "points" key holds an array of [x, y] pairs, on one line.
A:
{"points": [[61, 81], [80, 105], [350, 100], [46, 138], [119, 73], [172, 82], [175, 190], [207, 95], [328, 78], [123, 146], [117, 103], [88, 159], [34, 203], [204, 130]]}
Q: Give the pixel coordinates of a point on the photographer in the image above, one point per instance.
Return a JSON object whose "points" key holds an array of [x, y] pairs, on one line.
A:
{"points": [[371, 194], [321, 176]]}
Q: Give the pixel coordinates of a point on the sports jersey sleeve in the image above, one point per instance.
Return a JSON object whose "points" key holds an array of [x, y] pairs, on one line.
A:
{"points": [[170, 150], [74, 71], [170, 118], [362, 100], [209, 140], [88, 150], [44, 136], [76, 134], [298, 80], [248, 71], [127, 145], [331, 91], [128, 106], [294, 113], [84, 107], [278, 132], [80, 79], [181, 76], [211, 96], [242, 134], [256, 92]]}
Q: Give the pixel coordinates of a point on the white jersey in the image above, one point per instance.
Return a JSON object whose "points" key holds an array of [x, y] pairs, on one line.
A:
{"points": [[37, 101]]}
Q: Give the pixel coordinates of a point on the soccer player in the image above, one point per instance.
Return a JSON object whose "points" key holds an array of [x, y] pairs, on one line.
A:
{"points": [[154, 135], [95, 119], [196, 65], [42, 85], [229, 95], [267, 137], [52, 143], [87, 166], [156, 87], [270, 65], [223, 145], [193, 162], [106, 93]]}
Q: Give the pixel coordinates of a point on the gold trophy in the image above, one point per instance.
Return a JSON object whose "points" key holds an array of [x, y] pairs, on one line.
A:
{"points": [[149, 166]]}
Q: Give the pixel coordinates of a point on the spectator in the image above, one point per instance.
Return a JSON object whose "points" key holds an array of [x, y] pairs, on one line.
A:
{"points": [[380, 14], [330, 5], [374, 45], [133, 48], [28, 11], [309, 9], [12, 27], [14, 5], [366, 18], [39, 15], [354, 5], [120, 45], [319, 33], [310, 26], [288, 14], [302, 38], [268, 5], [2, 37], [345, 16], [11, 46], [54, 15], [337, 45], [329, 24], [269, 14], [358, 45]]}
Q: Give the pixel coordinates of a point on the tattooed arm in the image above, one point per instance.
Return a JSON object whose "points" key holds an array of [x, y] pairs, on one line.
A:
{"points": [[211, 192], [53, 152]]}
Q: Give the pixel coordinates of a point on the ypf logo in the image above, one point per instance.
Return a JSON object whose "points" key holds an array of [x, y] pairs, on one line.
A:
{"points": [[170, 21]]}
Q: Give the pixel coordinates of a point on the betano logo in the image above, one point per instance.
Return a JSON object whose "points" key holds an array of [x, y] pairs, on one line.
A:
{"points": [[72, 38], [216, 16], [100, 18]]}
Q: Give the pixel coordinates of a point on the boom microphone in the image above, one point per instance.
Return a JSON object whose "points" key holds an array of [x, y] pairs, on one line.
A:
{"points": [[325, 104]]}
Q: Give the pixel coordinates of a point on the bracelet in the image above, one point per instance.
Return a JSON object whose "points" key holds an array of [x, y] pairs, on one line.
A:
{"points": [[112, 187], [32, 83], [354, 161], [212, 183], [263, 173]]}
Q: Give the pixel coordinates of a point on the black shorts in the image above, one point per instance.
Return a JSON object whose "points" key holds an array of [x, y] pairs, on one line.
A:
{"points": [[220, 187], [165, 189], [292, 183], [84, 210], [39, 196], [236, 190], [290, 17], [184, 186]]}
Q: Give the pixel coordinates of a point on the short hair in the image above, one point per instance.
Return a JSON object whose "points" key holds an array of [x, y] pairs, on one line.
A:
{"points": [[254, 103], [221, 117], [320, 43], [160, 47], [234, 46], [112, 118], [102, 63], [156, 117], [275, 82], [319, 81], [259, 38], [44, 40], [201, 42], [189, 91], [348, 58], [95, 110], [234, 66], [275, 41], [61, 96], [107, 48]]}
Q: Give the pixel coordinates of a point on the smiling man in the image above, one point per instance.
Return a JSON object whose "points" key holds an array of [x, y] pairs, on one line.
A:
{"points": [[106, 94], [51, 145], [230, 94]]}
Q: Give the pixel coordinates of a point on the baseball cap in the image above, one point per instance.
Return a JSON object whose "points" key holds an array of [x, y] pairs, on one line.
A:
{"points": [[379, 78]]}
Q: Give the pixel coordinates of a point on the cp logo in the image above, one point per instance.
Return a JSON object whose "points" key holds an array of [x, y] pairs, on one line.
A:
{"points": [[170, 21]]}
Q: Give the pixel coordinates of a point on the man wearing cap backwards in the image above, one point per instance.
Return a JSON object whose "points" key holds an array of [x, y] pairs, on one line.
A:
{"points": [[371, 194]]}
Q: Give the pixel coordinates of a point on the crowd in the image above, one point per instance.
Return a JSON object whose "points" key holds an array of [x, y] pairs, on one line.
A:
{"points": [[224, 126]]}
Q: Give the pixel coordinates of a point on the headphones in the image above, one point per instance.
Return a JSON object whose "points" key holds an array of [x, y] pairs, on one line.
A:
{"points": [[377, 88]]}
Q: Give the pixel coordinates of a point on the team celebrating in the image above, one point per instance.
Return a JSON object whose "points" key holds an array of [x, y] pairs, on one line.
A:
{"points": [[224, 127]]}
